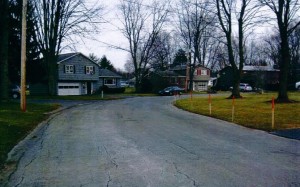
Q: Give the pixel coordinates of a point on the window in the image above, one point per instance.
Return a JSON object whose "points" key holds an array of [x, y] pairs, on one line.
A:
{"points": [[69, 68], [109, 81], [89, 70], [203, 72]]}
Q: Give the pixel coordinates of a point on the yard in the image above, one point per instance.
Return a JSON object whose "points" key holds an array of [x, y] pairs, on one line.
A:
{"points": [[253, 111]]}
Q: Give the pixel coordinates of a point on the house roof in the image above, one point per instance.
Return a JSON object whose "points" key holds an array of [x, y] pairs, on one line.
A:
{"points": [[63, 57], [179, 67], [66, 56], [108, 73], [169, 73], [259, 68]]}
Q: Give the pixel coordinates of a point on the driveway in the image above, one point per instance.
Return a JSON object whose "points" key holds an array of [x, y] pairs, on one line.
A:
{"points": [[145, 141]]}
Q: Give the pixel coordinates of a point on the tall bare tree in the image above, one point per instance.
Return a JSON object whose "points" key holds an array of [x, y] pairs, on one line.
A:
{"points": [[142, 24], [287, 13], [245, 12], [161, 52], [195, 26], [58, 21]]}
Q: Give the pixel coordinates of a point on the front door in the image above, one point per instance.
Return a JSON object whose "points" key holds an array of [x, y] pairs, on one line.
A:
{"points": [[89, 88]]}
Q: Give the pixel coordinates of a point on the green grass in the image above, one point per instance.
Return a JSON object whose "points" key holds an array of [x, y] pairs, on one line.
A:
{"points": [[253, 111], [78, 97], [129, 91], [15, 125]]}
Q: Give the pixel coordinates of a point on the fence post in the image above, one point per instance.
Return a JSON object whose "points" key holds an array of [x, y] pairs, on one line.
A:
{"points": [[273, 113]]}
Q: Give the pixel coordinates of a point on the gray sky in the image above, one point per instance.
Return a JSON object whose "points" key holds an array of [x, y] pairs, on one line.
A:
{"points": [[109, 34]]}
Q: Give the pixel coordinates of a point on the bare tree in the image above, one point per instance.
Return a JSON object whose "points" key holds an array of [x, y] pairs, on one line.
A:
{"points": [[286, 12], [58, 21], [161, 55], [245, 16], [271, 48], [128, 66], [142, 24], [294, 41], [195, 22]]}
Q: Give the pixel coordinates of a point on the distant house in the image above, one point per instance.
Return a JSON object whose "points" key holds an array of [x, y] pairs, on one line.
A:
{"points": [[162, 79], [201, 78], [179, 75], [109, 78], [268, 74], [79, 75], [266, 77]]}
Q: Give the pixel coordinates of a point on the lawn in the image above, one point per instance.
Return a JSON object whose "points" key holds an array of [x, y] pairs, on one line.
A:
{"points": [[253, 110], [15, 125], [78, 97], [129, 91]]}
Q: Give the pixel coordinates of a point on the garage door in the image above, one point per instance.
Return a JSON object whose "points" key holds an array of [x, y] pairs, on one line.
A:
{"points": [[69, 89]]}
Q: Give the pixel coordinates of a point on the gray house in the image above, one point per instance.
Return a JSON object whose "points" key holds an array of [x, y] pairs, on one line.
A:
{"points": [[79, 75], [109, 78]]}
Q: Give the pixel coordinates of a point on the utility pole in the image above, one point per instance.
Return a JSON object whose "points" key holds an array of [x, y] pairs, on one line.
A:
{"points": [[23, 58]]}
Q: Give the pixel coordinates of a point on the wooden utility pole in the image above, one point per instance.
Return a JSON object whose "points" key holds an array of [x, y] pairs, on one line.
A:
{"points": [[23, 58]]}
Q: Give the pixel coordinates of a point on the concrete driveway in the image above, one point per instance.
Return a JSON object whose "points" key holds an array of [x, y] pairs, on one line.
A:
{"points": [[147, 142]]}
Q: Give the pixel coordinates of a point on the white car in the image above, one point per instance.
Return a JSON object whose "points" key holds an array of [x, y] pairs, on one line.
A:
{"points": [[297, 85], [244, 87], [124, 84]]}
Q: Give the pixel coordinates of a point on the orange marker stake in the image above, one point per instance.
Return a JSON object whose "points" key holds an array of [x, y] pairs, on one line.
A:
{"points": [[273, 113], [209, 103]]}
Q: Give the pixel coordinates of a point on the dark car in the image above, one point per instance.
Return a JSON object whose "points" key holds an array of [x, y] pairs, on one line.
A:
{"points": [[172, 90]]}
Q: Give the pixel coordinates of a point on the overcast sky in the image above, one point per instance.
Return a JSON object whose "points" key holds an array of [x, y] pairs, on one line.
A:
{"points": [[109, 34]]}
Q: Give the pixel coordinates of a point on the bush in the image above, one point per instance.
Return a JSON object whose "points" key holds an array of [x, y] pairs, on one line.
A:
{"points": [[106, 89]]}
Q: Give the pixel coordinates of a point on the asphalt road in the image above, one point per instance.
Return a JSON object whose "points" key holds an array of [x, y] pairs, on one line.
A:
{"points": [[148, 142]]}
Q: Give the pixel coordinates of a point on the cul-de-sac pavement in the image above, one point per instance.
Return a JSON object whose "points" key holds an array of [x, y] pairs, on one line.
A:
{"points": [[146, 141]]}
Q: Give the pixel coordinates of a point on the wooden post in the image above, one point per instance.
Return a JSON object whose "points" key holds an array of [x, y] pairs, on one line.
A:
{"points": [[23, 58]]}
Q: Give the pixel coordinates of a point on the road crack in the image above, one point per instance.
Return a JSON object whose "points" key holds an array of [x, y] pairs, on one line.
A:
{"points": [[197, 157], [113, 161], [184, 174]]}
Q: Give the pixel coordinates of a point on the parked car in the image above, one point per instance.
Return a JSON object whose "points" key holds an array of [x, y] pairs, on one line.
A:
{"points": [[172, 90], [16, 90], [124, 84], [245, 87], [297, 85]]}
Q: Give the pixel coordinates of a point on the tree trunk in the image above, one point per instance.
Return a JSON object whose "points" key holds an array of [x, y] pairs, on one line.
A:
{"points": [[284, 71], [236, 84], [4, 81], [51, 61], [236, 72]]}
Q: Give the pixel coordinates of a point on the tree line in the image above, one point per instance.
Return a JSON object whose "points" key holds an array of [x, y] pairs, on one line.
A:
{"points": [[210, 33], [214, 34]]}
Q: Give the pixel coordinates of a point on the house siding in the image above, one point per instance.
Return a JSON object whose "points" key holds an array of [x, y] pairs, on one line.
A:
{"points": [[79, 62]]}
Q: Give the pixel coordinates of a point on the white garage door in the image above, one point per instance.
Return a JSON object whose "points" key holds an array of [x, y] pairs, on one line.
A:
{"points": [[68, 88]]}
